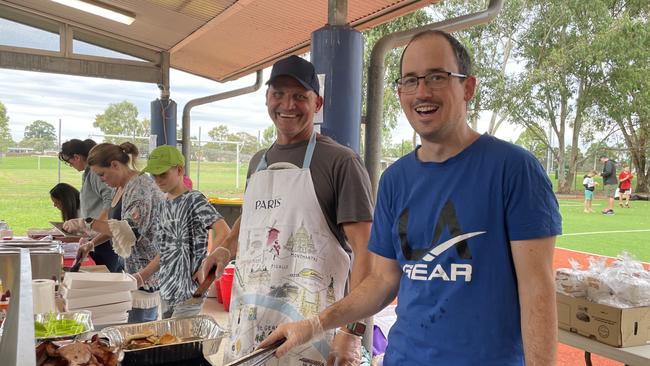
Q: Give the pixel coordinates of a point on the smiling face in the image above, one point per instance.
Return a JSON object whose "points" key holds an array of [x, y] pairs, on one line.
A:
{"points": [[292, 109], [435, 113]]}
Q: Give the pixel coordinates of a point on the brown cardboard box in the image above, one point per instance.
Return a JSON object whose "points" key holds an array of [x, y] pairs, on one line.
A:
{"points": [[606, 324]]}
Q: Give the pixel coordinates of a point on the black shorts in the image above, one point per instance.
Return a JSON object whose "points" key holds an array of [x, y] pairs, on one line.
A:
{"points": [[623, 190]]}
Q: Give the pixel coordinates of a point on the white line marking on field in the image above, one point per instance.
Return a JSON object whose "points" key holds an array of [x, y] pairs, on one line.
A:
{"points": [[607, 232], [590, 254]]}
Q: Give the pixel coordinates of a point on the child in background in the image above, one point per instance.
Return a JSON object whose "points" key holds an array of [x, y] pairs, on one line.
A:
{"points": [[183, 228], [590, 185], [625, 186]]}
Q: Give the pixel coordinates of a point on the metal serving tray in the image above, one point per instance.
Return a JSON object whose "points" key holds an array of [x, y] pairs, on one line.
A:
{"points": [[204, 337], [46, 259]]}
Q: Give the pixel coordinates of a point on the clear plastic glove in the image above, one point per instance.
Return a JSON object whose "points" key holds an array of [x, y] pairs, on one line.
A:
{"points": [[74, 226], [123, 237], [295, 334], [345, 350], [85, 247], [220, 258], [138, 279]]}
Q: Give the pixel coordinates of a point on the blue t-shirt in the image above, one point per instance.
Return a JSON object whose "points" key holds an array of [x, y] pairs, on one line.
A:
{"points": [[449, 225]]}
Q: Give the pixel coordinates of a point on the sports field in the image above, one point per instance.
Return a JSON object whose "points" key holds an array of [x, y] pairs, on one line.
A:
{"points": [[25, 203]]}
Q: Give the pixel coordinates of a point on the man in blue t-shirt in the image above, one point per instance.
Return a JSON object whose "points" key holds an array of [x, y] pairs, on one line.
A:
{"points": [[463, 233]]}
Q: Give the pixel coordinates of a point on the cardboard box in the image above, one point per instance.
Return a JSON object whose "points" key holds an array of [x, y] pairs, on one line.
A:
{"points": [[606, 324]]}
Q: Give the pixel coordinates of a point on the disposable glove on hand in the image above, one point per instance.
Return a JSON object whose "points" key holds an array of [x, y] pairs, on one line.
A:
{"points": [[345, 350], [85, 247], [295, 334], [123, 237], [220, 258], [75, 226]]}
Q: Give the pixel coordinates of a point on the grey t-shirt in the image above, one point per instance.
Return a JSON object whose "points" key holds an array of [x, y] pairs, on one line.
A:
{"points": [[340, 180], [95, 195]]}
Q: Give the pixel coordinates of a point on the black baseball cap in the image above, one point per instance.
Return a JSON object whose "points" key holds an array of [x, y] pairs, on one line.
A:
{"points": [[299, 69]]}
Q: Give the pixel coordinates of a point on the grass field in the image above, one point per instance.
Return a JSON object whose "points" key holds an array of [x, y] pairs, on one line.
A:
{"points": [[25, 203], [24, 188]]}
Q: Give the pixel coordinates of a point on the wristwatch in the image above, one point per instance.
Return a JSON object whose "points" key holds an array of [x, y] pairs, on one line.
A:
{"points": [[89, 222], [356, 328]]}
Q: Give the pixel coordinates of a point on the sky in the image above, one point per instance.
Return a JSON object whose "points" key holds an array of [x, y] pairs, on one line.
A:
{"points": [[76, 100]]}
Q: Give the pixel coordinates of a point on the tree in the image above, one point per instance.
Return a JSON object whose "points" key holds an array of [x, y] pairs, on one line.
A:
{"points": [[40, 136], [219, 133], [490, 46], [40, 130], [121, 119], [268, 136], [625, 96], [533, 140], [558, 85], [5, 135]]}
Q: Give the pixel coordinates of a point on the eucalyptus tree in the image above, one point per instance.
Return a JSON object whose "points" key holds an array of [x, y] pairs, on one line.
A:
{"points": [[558, 87], [624, 97], [491, 47]]}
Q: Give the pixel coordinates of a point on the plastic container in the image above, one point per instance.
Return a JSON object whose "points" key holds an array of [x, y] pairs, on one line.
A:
{"points": [[225, 285], [229, 208], [217, 291]]}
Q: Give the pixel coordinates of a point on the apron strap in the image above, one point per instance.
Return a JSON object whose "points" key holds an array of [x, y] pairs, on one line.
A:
{"points": [[262, 165], [310, 151]]}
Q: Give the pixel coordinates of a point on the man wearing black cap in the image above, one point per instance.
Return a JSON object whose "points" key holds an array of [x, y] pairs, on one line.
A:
{"points": [[307, 209]]}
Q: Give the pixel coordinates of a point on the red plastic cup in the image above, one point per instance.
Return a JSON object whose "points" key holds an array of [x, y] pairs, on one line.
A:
{"points": [[217, 290], [225, 285]]}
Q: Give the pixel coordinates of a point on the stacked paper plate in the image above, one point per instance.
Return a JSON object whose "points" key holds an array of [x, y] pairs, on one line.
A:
{"points": [[106, 295]]}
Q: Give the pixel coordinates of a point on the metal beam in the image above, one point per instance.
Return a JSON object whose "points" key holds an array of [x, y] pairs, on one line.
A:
{"points": [[209, 99], [82, 66]]}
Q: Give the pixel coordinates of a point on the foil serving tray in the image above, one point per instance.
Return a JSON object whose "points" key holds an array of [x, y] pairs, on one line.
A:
{"points": [[200, 336]]}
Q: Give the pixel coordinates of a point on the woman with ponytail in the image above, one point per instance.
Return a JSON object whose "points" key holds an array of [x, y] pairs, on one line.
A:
{"points": [[131, 222], [94, 198]]}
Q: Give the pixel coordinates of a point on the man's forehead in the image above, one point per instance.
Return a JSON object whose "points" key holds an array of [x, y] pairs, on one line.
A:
{"points": [[437, 50], [286, 81]]}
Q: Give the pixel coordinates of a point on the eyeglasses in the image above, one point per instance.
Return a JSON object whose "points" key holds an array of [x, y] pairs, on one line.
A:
{"points": [[67, 160], [432, 80]]}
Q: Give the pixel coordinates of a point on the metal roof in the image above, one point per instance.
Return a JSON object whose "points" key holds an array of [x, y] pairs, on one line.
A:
{"points": [[217, 39]]}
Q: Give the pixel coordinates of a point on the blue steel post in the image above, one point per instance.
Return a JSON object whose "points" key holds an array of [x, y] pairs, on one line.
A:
{"points": [[337, 52], [163, 121]]}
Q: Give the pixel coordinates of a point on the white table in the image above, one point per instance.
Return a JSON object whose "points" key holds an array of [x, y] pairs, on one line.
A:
{"points": [[632, 356]]}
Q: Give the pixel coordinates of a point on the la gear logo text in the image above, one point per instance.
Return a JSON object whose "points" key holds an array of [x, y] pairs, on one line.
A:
{"points": [[420, 272], [267, 204], [427, 271]]}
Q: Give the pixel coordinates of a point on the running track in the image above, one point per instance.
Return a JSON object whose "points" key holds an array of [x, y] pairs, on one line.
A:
{"points": [[569, 356]]}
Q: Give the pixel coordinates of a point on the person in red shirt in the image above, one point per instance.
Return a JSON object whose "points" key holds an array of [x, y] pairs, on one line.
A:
{"points": [[625, 185]]}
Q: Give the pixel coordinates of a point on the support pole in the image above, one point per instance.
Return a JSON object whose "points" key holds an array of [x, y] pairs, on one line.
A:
{"points": [[163, 110], [17, 344], [209, 99]]}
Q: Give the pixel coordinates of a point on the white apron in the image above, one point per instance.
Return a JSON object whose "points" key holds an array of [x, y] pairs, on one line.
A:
{"points": [[289, 264]]}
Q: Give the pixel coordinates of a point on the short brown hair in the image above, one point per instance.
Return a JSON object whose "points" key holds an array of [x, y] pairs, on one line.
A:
{"points": [[463, 60]]}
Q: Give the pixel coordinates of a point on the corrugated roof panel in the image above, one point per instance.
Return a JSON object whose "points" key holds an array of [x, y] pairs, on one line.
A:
{"points": [[256, 35], [221, 39], [199, 9]]}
